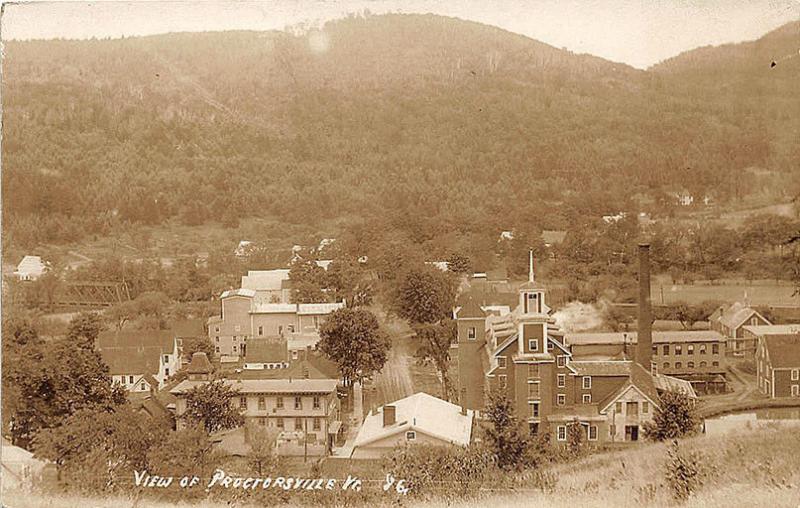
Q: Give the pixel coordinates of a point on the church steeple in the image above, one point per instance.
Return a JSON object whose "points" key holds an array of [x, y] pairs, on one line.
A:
{"points": [[531, 293]]}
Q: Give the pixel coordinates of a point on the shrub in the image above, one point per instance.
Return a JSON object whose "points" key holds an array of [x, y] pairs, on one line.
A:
{"points": [[673, 418], [684, 472]]}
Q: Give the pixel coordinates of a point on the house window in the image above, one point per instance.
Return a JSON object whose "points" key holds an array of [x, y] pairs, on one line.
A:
{"points": [[316, 424], [655, 350], [592, 432], [690, 365], [645, 407], [234, 348], [715, 364], [216, 349], [562, 380], [166, 372], [260, 330], [703, 364], [715, 349], [678, 349], [690, 349], [795, 390], [316, 402], [501, 362], [533, 345], [795, 374], [535, 409], [562, 360], [294, 355], [471, 333], [754, 321], [216, 329], [216, 339], [298, 403], [166, 358], [533, 390], [703, 348], [290, 328], [562, 433], [262, 421], [587, 382], [665, 349], [618, 407], [501, 381], [561, 399], [666, 365], [142, 387], [262, 404], [411, 435], [243, 402], [280, 329], [279, 403], [631, 408], [587, 398], [280, 423], [533, 370]]}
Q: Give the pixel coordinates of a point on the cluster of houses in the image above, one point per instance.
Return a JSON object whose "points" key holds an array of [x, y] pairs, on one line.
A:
{"points": [[608, 384]]}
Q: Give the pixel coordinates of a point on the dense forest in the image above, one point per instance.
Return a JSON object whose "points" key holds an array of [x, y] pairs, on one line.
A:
{"points": [[430, 125]]}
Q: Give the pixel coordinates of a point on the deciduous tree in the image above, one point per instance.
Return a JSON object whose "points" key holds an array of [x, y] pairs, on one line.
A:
{"points": [[212, 406], [354, 340]]}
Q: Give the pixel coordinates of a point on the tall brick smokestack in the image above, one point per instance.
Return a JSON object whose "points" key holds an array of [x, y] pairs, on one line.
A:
{"points": [[644, 346]]}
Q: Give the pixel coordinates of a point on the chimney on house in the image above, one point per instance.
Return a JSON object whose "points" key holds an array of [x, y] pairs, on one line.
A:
{"points": [[644, 345], [389, 415]]}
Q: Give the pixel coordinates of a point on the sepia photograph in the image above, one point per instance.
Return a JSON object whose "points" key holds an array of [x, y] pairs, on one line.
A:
{"points": [[400, 253]]}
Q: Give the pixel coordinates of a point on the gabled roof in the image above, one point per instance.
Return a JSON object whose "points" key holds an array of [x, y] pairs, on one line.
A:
{"points": [[783, 350], [131, 361], [273, 350], [673, 384], [422, 413], [736, 315], [264, 280], [608, 368], [639, 380], [246, 293], [31, 265], [199, 364], [163, 339], [471, 309]]}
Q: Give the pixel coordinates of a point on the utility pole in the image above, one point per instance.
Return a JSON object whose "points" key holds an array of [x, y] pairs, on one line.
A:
{"points": [[305, 439]]}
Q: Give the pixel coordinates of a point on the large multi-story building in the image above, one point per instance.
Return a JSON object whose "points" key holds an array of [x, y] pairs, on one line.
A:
{"points": [[245, 317], [305, 412], [522, 353], [697, 356], [778, 365]]}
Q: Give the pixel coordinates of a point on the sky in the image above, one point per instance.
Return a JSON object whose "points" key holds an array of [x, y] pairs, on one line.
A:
{"points": [[640, 33]]}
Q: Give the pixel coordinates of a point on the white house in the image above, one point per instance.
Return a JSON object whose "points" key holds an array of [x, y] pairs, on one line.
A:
{"points": [[140, 360], [420, 418], [30, 268]]}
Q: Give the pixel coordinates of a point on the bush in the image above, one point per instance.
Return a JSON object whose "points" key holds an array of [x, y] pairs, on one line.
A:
{"points": [[674, 417], [684, 473], [448, 472]]}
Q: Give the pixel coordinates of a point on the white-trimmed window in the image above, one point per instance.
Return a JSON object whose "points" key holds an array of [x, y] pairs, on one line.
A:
{"points": [[562, 380], [561, 433], [501, 362], [587, 382], [645, 407], [703, 349], [562, 360], [243, 402], [262, 404], [690, 349], [130, 379], [795, 390], [715, 349], [260, 331], [534, 409], [592, 432], [502, 381], [411, 435], [587, 398], [795, 374], [561, 399], [472, 334], [533, 390], [533, 345]]}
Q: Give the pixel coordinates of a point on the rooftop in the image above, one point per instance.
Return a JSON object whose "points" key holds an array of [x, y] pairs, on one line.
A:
{"points": [[272, 350], [264, 280], [267, 385], [787, 329], [423, 413], [611, 338], [610, 368], [783, 351]]}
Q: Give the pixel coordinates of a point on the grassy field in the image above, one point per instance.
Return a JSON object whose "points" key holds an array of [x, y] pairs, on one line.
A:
{"points": [[747, 468]]}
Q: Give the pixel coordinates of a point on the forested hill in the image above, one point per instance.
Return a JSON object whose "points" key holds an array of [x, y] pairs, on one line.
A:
{"points": [[433, 124]]}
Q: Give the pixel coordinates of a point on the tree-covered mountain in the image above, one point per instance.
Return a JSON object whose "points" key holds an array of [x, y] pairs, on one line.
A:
{"points": [[429, 124]]}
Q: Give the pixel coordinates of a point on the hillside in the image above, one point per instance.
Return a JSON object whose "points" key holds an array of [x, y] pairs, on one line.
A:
{"points": [[428, 124], [632, 477]]}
